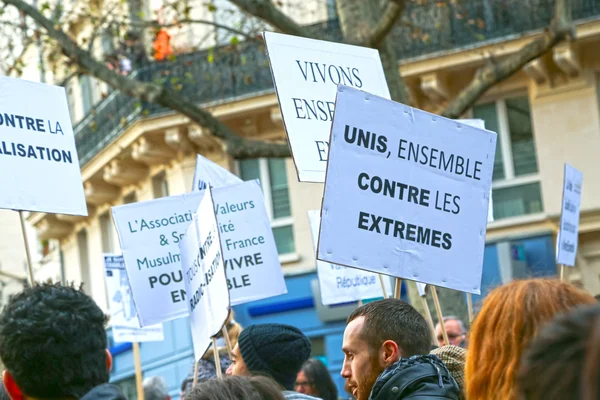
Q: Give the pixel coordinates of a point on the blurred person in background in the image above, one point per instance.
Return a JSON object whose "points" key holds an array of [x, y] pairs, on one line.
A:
{"points": [[237, 388], [314, 379], [155, 388], [457, 334]]}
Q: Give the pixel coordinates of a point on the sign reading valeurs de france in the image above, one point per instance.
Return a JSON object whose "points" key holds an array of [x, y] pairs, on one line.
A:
{"points": [[38, 158], [419, 185], [123, 318], [150, 232], [568, 236], [306, 73], [209, 173], [340, 284], [204, 276]]}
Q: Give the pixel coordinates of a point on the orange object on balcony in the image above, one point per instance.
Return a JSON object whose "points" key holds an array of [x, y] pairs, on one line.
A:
{"points": [[162, 45]]}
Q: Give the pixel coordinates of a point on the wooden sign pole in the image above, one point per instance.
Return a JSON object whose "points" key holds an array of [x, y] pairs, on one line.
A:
{"points": [[438, 310], [429, 319], [137, 361], [385, 294], [470, 307], [217, 358], [195, 380], [27, 251], [398, 288], [227, 341]]}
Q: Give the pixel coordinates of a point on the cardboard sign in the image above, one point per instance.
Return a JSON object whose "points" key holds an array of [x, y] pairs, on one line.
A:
{"points": [[208, 173], [306, 73], [123, 317], [419, 187], [568, 237], [150, 232], [38, 158], [204, 276], [339, 284]]}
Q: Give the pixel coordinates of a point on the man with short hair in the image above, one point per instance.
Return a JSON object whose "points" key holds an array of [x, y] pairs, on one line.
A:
{"points": [[455, 329], [53, 345], [155, 388], [386, 347], [275, 350]]}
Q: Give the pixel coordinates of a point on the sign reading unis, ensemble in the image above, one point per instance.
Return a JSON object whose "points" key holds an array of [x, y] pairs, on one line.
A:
{"points": [[306, 73], [38, 159], [419, 185], [568, 236]]}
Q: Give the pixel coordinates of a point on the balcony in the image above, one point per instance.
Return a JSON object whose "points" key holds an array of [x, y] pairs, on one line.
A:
{"points": [[235, 71]]}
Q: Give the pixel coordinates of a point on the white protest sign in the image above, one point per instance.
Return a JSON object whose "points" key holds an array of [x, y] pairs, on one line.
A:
{"points": [[123, 318], [340, 284], [306, 73], [38, 157], [421, 288], [209, 173], [568, 237], [150, 232], [204, 276], [419, 185]]}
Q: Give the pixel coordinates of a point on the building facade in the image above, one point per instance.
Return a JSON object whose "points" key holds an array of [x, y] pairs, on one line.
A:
{"points": [[545, 115]]}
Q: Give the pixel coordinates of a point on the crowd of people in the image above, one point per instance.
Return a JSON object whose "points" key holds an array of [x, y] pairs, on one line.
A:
{"points": [[532, 339]]}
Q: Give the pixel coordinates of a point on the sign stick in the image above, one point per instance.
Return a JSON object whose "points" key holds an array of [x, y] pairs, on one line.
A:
{"points": [[360, 303], [385, 295], [398, 288], [470, 307], [429, 319], [227, 340], [27, 251], [217, 358], [195, 381], [562, 273], [138, 371], [438, 310]]}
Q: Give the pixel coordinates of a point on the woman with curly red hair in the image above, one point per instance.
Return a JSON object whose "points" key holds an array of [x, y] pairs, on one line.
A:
{"points": [[510, 318]]}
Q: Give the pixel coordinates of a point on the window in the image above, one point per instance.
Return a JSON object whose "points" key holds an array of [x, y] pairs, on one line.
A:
{"points": [[106, 232], [273, 177], [130, 198], [87, 96], [516, 182], [84, 260], [160, 188]]}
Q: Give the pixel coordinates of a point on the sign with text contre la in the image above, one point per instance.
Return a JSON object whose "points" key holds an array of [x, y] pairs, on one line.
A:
{"points": [[419, 187], [306, 73], [568, 237], [38, 157]]}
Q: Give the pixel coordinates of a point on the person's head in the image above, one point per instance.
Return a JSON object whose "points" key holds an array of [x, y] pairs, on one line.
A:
{"points": [[155, 388], [237, 388], [511, 316], [564, 358], [274, 350], [53, 343], [377, 335], [455, 330], [314, 379]]}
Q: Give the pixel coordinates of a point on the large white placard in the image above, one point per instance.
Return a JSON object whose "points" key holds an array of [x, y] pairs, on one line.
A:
{"points": [[419, 186], [123, 317], [204, 276], [208, 173], [150, 232], [38, 158], [568, 237], [306, 73], [339, 284]]}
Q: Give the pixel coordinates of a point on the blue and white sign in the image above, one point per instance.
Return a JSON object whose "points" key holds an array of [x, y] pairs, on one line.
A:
{"points": [[568, 237]]}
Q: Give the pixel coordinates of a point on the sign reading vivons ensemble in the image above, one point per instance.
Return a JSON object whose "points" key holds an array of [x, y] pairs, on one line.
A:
{"points": [[340, 284], [123, 318], [37, 150], [306, 73], [208, 173], [204, 276], [419, 185], [568, 236], [150, 233]]}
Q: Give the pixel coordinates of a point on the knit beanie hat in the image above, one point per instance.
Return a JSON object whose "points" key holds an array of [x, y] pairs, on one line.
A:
{"points": [[276, 350]]}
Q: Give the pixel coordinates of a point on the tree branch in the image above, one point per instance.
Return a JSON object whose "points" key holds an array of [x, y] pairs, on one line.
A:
{"points": [[561, 28], [393, 11], [237, 146], [266, 10]]}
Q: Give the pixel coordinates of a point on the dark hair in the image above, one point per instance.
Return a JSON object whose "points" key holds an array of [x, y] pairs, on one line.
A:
{"points": [[53, 342], [393, 319], [318, 375], [564, 358], [237, 388]]}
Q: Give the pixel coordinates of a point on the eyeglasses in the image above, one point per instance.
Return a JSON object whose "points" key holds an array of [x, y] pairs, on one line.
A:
{"points": [[304, 384]]}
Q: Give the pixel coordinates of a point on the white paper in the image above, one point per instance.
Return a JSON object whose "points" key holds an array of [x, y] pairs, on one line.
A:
{"points": [[435, 215], [306, 73], [422, 289], [340, 284], [204, 276], [208, 173], [568, 237], [38, 158], [152, 256], [123, 317]]}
